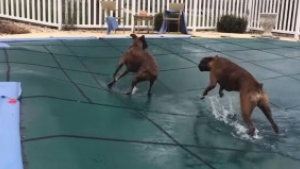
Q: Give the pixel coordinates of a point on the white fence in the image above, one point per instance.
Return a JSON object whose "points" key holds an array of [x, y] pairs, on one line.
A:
{"points": [[200, 14]]}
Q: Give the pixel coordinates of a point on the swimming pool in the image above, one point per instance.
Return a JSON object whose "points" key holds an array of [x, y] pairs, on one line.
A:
{"points": [[70, 119]]}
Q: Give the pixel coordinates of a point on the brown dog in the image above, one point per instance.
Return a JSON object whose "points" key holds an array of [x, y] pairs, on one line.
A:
{"points": [[232, 77], [139, 61]]}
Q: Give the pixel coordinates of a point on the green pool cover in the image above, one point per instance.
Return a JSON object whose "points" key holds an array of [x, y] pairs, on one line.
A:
{"points": [[70, 120]]}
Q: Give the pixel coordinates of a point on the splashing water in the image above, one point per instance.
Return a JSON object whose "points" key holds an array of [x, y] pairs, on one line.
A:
{"points": [[226, 114], [134, 90]]}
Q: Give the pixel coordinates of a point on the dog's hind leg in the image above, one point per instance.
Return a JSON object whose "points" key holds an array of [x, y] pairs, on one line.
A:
{"points": [[117, 78], [150, 87], [247, 106], [138, 78], [120, 65], [133, 84], [264, 106], [221, 92]]}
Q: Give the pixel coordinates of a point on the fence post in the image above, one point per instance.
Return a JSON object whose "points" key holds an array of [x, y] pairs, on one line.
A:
{"points": [[59, 10], [195, 11], [133, 11], [249, 14], [297, 31]]}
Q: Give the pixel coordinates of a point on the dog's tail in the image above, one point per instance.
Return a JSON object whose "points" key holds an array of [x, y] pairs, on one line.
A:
{"points": [[257, 92]]}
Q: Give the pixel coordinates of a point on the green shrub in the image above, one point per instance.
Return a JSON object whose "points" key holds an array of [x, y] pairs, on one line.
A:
{"points": [[232, 24], [158, 20], [9, 27]]}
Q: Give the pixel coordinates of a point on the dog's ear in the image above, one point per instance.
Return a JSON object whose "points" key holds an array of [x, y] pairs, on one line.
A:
{"points": [[143, 40], [133, 36], [205, 63], [142, 37], [211, 59]]}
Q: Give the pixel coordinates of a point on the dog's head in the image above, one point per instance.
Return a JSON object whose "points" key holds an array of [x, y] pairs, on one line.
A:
{"points": [[139, 41], [205, 63]]}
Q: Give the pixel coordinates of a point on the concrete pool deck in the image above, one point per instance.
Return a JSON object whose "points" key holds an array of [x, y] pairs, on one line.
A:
{"points": [[202, 34]]}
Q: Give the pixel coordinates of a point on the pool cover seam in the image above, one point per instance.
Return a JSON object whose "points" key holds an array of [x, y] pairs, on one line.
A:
{"points": [[137, 141], [282, 75], [61, 54], [262, 50], [85, 71], [211, 50], [259, 40], [55, 67], [248, 48], [178, 54], [177, 142], [263, 41], [292, 107], [193, 43], [8, 66], [159, 54], [66, 74], [109, 105], [86, 67]]}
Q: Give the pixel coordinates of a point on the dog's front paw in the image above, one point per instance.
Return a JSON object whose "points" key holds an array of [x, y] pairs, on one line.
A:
{"points": [[203, 97], [109, 85], [251, 132], [221, 94], [128, 93]]}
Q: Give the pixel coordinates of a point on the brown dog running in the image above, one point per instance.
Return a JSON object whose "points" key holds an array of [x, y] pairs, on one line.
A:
{"points": [[232, 77], [139, 61]]}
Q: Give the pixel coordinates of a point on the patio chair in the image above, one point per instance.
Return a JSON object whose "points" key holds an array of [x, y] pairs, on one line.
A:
{"points": [[176, 8], [107, 7]]}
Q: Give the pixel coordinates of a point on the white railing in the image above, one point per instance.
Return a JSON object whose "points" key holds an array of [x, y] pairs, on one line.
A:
{"points": [[199, 14], [287, 11], [44, 12]]}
